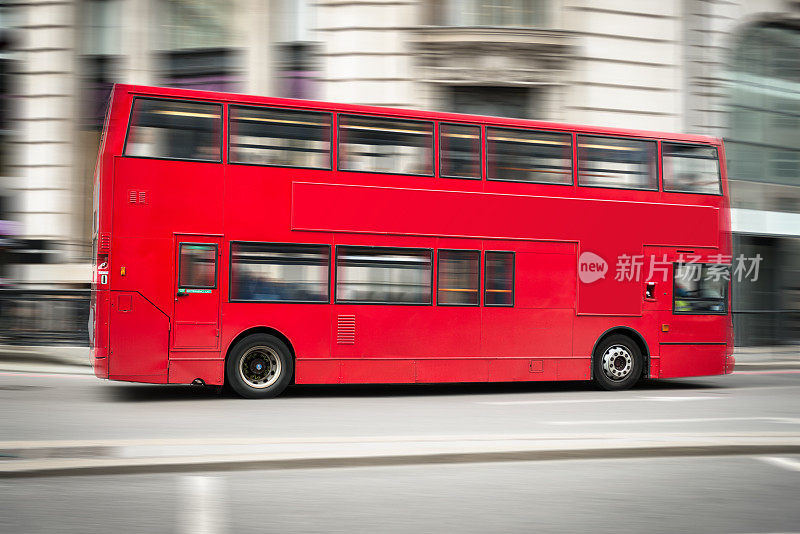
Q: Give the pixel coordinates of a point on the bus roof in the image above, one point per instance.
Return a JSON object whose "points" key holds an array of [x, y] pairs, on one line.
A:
{"points": [[237, 98]]}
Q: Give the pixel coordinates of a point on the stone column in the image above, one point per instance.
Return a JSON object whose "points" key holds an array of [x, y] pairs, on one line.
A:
{"points": [[259, 70]]}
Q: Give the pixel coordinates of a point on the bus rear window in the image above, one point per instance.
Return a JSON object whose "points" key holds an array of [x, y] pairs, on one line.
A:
{"points": [[690, 169], [280, 137], [529, 156], [370, 144], [170, 129], [617, 163]]}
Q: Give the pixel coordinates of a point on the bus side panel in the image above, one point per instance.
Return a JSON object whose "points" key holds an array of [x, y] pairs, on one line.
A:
{"points": [[692, 360], [377, 371], [310, 371], [589, 329], [138, 339], [99, 315], [185, 371]]}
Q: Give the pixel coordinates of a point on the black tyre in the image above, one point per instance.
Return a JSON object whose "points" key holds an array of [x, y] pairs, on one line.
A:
{"points": [[259, 367], [617, 363]]}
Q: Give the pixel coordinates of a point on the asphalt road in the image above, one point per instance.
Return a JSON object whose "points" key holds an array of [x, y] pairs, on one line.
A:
{"points": [[79, 407], [732, 494], [741, 494]]}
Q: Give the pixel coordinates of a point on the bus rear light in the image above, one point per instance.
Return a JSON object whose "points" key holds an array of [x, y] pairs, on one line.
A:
{"points": [[665, 328]]}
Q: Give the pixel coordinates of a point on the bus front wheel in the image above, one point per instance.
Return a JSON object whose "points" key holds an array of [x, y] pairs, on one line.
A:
{"points": [[617, 363], [259, 367]]}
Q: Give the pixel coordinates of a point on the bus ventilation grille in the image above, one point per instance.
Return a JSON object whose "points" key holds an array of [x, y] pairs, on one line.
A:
{"points": [[346, 330], [104, 243]]}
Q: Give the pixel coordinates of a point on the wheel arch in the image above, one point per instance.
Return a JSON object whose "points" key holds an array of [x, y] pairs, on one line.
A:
{"points": [[635, 336], [261, 330]]}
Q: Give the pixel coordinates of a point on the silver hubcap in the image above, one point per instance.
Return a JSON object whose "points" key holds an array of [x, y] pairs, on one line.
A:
{"points": [[260, 367], [617, 362]]}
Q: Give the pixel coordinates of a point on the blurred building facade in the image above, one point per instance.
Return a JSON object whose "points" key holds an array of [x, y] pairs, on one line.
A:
{"points": [[728, 68]]}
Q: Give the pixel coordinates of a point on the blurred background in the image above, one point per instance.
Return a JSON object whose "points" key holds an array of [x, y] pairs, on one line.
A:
{"points": [[723, 68]]}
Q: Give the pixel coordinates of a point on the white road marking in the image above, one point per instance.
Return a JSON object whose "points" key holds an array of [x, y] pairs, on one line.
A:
{"points": [[593, 401], [785, 420], [786, 463], [200, 505]]}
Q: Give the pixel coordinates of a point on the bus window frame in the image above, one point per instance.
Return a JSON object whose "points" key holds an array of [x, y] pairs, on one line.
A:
{"points": [[230, 273], [572, 160], [221, 128], [362, 303], [683, 143], [480, 151], [513, 279], [480, 279], [216, 264], [657, 163], [331, 126], [434, 155]]}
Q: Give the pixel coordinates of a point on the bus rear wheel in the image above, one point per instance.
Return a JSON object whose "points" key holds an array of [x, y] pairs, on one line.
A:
{"points": [[259, 367], [617, 363]]}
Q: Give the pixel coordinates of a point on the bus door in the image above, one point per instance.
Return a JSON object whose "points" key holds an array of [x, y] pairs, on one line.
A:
{"points": [[197, 275], [687, 291]]}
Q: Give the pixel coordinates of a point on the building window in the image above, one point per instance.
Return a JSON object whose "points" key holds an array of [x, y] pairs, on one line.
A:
{"points": [[529, 156], [279, 272], [700, 288], [280, 137], [459, 151], [499, 279], [198, 266], [762, 144], [493, 101], [458, 277], [393, 146], [615, 162], [377, 275], [690, 168], [173, 129]]}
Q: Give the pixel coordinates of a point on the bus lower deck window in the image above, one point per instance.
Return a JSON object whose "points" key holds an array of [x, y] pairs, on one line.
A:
{"points": [[499, 279], [378, 275], [279, 272], [700, 288], [458, 277]]}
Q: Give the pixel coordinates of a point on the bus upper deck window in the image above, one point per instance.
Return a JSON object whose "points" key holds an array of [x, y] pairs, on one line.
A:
{"points": [[690, 169], [617, 163], [280, 137], [529, 156], [380, 145], [171, 129], [459, 151]]}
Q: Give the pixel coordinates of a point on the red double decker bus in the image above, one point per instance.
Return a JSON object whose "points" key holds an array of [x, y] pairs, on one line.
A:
{"points": [[261, 241]]}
